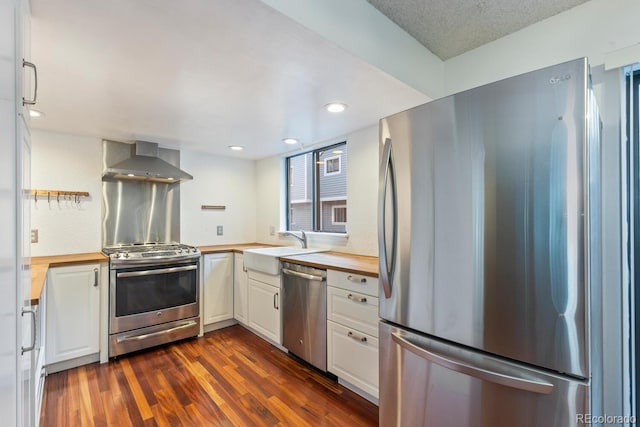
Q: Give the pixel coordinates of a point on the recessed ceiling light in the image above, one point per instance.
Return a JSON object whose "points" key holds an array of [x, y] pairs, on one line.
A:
{"points": [[35, 113], [336, 107], [290, 141], [236, 147]]}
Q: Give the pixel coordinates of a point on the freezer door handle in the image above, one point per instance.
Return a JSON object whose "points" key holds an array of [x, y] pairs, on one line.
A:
{"points": [[387, 176], [531, 385]]}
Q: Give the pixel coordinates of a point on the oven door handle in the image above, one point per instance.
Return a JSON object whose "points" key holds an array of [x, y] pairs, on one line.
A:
{"points": [[158, 271], [153, 334]]}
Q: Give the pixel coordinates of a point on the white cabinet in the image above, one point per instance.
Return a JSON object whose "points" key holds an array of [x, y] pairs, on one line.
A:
{"points": [[26, 75], [352, 331], [39, 371], [73, 312], [240, 290], [355, 310], [16, 405], [264, 305], [218, 288], [353, 356]]}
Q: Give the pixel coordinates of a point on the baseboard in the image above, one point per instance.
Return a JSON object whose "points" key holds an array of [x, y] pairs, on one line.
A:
{"points": [[72, 363], [269, 340], [219, 325], [359, 391]]}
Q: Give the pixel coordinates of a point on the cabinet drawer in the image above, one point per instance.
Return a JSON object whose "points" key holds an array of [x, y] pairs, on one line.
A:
{"points": [[353, 309], [354, 282], [353, 357], [269, 279]]}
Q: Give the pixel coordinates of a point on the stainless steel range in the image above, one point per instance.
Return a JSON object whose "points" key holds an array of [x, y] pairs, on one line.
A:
{"points": [[154, 290], [153, 281]]}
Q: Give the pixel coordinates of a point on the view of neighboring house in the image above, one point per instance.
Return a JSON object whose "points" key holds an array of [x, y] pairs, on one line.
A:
{"points": [[317, 182]]}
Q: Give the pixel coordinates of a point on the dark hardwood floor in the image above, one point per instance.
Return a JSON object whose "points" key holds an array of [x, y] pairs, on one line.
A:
{"points": [[229, 377]]}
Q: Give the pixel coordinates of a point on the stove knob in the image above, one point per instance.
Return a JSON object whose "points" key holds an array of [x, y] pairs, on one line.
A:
{"points": [[194, 250], [179, 251], [126, 254]]}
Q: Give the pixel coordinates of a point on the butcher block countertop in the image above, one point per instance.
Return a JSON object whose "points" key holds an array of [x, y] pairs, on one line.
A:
{"points": [[238, 247], [349, 263], [358, 264], [40, 266]]}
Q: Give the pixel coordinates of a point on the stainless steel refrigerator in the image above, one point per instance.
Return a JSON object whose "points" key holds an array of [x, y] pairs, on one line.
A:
{"points": [[490, 256]]}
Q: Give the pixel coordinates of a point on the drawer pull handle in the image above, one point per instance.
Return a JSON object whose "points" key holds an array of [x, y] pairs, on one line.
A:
{"points": [[356, 279], [356, 337], [356, 298]]}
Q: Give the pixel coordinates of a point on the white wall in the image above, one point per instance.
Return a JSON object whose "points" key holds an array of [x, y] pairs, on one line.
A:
{"points": [[362, 194], [73, 163], [269, 200], [69, 163], [592, 29], [217, 181]]}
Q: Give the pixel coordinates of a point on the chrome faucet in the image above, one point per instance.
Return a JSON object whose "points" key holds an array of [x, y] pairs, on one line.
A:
{"points": [[303, 239]]}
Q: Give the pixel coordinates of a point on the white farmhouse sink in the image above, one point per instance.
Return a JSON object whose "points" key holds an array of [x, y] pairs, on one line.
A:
{"points": [[267, 260]]}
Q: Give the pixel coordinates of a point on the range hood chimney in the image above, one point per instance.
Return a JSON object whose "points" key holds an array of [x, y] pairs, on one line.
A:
{"points": [[145, 165]]}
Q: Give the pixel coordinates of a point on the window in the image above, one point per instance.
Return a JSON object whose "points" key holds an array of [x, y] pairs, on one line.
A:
{"points": [[317, 190], [332, 165], [339, 214]]}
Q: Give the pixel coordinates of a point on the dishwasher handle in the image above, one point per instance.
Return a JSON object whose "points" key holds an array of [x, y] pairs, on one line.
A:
{"points": [[303, 275]]}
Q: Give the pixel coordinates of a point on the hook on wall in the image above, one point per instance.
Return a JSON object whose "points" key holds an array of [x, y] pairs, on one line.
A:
{"points": [[76, 196]]}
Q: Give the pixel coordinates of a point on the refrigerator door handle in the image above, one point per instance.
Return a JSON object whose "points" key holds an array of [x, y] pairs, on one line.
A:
{"points": [[386, 172], [531, 385]]}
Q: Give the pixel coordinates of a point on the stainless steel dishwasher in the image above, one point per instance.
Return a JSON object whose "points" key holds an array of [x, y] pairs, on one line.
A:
{"points": [[304, 313]]}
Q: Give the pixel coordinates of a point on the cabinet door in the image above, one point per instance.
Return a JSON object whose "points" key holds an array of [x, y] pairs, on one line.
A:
{"points": [[264, 309], [40, 370], [240, 278], [218, 288], [26, 75], [353, 356], [353, 310], [73, 312]]}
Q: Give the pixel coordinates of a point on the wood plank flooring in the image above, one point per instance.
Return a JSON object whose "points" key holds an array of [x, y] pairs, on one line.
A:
{"points": [[229, 377]]}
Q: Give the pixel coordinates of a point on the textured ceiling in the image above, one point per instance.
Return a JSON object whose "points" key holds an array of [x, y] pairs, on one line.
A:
{"points": [[451, 27]]}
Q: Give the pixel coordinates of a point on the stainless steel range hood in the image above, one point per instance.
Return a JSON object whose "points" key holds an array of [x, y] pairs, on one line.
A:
{"points": [[145, 165]]}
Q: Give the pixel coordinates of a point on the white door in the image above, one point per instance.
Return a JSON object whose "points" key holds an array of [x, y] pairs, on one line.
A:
{"points": [[15, 371], [218, 288], [29, 313], [264, 309], [73, 312], [240, 278]]}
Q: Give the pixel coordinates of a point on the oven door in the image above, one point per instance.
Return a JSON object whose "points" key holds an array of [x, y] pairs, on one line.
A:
{"points": [[143, 296]]}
